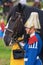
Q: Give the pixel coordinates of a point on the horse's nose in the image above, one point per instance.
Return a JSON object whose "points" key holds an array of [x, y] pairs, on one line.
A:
{"points": [[7, 40]]}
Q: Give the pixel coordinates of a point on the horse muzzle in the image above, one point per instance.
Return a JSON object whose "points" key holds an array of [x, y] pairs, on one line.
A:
{"points": [[7, 40]]}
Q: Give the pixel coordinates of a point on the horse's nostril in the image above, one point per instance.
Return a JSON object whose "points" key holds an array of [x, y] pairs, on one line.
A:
{"points": [[7, 40]]}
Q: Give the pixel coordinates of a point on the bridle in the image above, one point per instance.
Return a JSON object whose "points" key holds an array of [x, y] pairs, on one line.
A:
{"points": [[9, 30], [16, 19]]}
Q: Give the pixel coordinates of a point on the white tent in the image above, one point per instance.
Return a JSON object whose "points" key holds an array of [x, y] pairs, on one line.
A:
{"points": [[22, 1]]}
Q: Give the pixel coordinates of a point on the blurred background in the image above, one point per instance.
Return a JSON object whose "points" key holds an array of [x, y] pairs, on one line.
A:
{"points": [[5, 7]]}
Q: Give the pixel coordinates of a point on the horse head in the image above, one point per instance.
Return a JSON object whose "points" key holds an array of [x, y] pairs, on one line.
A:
{"points": [[14, 28]]}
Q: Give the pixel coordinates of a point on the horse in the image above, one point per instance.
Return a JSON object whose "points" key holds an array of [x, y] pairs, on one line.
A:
{"points": [[15, 25]]}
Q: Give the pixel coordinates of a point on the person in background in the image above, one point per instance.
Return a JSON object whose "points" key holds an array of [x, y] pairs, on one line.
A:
{"points": [[0, 2], [2, 24], [37, 4], [7, 6], [34, 45], [1, 33]]}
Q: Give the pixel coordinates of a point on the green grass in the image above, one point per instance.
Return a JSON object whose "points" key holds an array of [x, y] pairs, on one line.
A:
{"points": [[4, 53], [1, 9], [30, 3], [4, 50]]}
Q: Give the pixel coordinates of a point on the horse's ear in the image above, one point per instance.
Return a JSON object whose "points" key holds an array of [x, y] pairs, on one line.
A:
{"points": [[19, 6]]}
